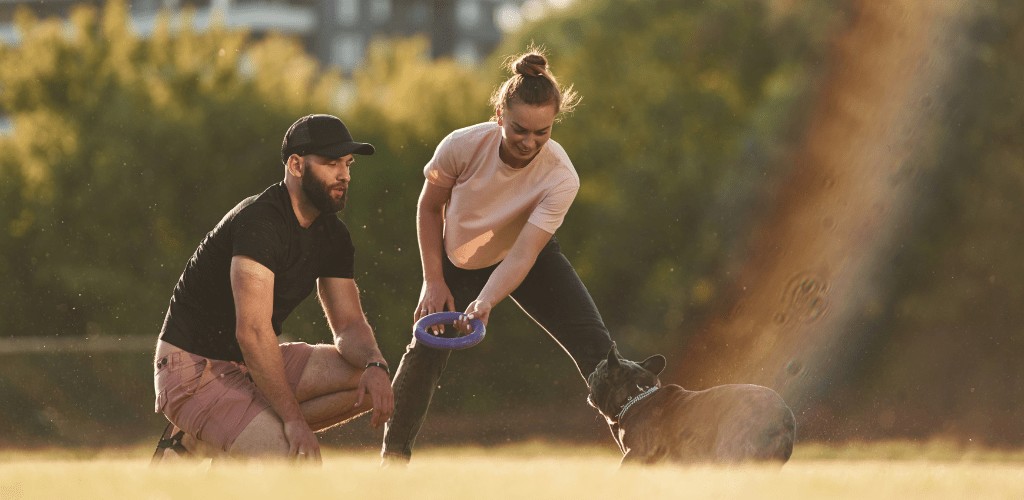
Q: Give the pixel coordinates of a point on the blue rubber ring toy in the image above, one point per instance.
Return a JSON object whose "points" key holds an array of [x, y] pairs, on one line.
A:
{"points": [[438, 342]]}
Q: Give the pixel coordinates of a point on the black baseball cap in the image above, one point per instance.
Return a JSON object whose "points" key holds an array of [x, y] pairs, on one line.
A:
{"points": [[323, 135]]}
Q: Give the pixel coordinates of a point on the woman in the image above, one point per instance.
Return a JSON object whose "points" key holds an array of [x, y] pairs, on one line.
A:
{"points": [[494, 195]]}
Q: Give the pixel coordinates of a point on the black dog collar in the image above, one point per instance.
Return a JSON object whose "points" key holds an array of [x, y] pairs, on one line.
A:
{"points": [[644, 392]]}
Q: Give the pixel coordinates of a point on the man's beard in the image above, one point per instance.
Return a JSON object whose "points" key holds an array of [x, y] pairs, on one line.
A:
{"points": [[320, 195]]}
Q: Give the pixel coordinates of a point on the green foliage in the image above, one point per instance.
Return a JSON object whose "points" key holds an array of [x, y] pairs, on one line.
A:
{"points": [[124, 153], [947, 357]]}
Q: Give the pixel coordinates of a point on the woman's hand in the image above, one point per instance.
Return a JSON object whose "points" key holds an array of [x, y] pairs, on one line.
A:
{"points": [[477, 309], [434, 297]]}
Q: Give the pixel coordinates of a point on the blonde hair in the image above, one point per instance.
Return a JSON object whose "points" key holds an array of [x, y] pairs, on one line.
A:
{"points": [[533, 83]]}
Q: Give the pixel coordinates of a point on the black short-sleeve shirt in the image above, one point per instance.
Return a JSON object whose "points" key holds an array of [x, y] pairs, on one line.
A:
{"points": [[201, 316]]}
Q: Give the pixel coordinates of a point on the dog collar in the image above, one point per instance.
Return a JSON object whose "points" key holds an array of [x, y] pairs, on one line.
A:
{"points": [[634, 400]]}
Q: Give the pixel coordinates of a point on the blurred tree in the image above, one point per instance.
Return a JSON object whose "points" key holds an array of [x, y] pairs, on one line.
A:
{"points": [[124, 153], [947, 349]]}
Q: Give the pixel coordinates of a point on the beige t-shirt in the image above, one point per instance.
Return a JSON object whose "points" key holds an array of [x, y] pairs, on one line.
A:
{"points": [[491, 202]]}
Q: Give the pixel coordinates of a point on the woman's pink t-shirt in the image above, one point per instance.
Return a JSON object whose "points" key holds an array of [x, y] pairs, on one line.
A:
{"points": [[491, 202]]}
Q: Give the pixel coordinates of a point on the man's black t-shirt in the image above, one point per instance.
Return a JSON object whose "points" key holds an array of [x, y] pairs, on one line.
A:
{"points": [[201, 316]]}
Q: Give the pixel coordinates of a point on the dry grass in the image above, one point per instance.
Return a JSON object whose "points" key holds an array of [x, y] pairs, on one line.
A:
{"points": [[532, 471]]}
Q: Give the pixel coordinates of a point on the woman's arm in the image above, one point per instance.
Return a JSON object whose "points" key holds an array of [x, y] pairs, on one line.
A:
{"points": [[435, 295], [508, 275]]}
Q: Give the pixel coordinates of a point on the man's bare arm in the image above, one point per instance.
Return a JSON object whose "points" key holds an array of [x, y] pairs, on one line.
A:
{"points": [[252, 285], [354, 340]]}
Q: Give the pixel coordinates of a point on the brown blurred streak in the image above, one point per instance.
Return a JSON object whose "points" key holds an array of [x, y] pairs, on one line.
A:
{"points": [[826, 217]]}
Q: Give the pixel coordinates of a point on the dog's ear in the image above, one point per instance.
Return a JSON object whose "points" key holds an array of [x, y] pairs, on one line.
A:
{"points": [[654, 364], [613, 358]]}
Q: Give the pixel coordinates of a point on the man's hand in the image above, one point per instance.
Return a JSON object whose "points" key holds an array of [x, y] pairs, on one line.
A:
{"points": [[375, 381], [302, 443]]}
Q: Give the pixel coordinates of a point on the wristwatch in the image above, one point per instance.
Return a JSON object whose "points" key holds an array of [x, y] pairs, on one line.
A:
{"points": [[382, 366]]}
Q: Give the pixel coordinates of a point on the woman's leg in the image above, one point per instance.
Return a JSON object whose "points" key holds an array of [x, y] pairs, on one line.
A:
{"points": [[421, 367], [553, 295]]}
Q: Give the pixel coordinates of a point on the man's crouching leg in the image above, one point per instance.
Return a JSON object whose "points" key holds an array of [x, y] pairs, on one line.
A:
{"points": [[326, 392]]}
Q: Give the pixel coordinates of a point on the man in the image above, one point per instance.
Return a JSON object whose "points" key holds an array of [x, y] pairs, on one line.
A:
{"points": [[221, 378]]}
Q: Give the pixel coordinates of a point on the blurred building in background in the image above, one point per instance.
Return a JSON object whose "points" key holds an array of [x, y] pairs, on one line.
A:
{"points": [[335, 31]]}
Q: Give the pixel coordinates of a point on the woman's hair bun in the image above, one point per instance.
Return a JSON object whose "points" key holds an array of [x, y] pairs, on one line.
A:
{"points": [[532, 83], [532, 64]]}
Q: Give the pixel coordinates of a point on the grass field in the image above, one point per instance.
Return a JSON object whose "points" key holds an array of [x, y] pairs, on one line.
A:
{"points": [[532, 471]]}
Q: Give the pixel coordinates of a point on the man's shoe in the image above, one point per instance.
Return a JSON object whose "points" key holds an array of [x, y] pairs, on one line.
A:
{"points": [[171, 438]]}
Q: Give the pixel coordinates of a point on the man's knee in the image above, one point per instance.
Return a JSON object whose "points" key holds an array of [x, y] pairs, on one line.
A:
{"points": [[262, 437], [326, 372]]}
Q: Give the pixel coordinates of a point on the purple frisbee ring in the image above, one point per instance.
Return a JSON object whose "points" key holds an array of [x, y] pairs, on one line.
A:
{"points": [[438, 342]]}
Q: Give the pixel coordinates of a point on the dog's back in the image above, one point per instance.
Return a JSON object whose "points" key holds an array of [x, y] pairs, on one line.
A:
{"points": [[724, 424], [753, 423]]}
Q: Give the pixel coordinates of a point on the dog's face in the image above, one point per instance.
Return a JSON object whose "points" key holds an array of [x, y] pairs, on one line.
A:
{"points": [[615, 380]]}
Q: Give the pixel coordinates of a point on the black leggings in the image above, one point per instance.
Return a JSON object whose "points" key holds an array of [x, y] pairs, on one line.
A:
{"points": [[552, 294]]}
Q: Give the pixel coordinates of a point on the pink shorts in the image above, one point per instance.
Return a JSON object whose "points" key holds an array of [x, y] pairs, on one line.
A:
{"points": [[212, 399]]}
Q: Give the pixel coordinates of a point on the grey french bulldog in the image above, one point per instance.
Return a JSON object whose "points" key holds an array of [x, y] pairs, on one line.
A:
{"points": [[654, 423]]}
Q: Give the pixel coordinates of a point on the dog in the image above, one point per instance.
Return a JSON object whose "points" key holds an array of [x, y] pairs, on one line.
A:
{"points": [[726, 424]]}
